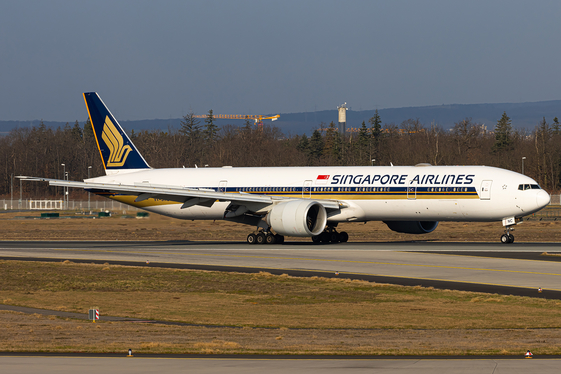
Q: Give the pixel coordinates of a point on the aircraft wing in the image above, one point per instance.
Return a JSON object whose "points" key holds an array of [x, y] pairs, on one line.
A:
{"points": [[187, 196]]}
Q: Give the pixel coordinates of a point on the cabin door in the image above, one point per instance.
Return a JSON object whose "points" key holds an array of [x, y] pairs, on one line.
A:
{"points": [[307, 189], [412, 190], [485, 192], [222, 186]]}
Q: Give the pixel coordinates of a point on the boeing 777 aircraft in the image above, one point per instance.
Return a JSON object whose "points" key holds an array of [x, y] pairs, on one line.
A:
{"points": [[308, 201]]}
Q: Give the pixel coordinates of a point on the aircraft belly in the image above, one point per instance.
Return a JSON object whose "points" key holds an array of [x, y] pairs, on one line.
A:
{"points": [[194, 212], [435, 210]]}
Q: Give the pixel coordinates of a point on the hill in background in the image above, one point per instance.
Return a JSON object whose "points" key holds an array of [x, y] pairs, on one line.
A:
{"points": [[523, 116]]}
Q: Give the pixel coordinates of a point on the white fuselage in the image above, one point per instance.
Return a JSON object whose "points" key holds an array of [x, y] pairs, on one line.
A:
{"points": [[388, 193]]}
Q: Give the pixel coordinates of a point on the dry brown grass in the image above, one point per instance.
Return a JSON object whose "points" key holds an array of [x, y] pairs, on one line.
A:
{"points": [[158, 227], [20, 333], [271, 314], [261, 300]]}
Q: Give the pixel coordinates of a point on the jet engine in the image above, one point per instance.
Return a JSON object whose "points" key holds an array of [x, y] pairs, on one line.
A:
{"points": [[298, 218], [412, 227]]}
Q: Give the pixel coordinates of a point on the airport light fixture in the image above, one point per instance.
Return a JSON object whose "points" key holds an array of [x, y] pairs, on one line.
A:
{"points": [[89, 168], [63, 188], [66, 193], [523, 158]]}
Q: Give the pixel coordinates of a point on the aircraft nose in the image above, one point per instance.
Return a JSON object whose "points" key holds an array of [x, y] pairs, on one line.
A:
{"points": [[542, 198]]}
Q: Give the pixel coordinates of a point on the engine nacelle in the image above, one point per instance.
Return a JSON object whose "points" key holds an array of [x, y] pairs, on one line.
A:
{"points": [[298, 218], [412, 227]]}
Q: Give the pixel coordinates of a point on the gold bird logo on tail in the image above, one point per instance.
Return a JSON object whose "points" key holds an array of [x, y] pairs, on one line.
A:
{"points": [[117, 152]]}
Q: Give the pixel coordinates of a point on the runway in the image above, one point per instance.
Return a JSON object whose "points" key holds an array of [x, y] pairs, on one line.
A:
{"points": [[518, 268], [62, 365]]}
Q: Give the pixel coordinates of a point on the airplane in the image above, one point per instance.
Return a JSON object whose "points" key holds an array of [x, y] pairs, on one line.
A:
{"points": [[307, 201]]}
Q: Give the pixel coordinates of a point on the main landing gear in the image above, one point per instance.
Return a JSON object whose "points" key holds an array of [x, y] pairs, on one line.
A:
{"points": [[264, 237], [507, 237], [330, 235]]}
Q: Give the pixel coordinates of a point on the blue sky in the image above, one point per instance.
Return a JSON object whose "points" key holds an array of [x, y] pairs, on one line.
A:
{"points": [[161, 59]]}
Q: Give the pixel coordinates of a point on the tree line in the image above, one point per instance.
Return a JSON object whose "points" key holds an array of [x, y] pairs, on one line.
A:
{"points": [[41, 151]]}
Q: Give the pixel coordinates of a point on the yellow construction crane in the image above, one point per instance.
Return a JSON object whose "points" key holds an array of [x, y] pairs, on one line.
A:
{"points": [[258, 118]]}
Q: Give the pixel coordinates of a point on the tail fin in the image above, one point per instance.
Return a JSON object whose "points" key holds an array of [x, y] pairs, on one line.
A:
{"points": [[118, 153]]}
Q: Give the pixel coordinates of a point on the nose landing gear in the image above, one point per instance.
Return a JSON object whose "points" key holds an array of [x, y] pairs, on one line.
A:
{"points": [[507, 237]]}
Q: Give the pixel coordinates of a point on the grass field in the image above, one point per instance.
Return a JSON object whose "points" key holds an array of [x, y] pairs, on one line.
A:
{"points": [[260, 313], [263, 313]]}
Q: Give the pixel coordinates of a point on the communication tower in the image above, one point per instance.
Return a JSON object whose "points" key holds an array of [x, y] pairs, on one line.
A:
{"points": [[342, 118]]}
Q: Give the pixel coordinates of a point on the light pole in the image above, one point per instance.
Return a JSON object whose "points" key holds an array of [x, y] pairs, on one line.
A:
{"points": [[523, 158], [89, 168], [64, 187], [66, 194], [373, 161]]}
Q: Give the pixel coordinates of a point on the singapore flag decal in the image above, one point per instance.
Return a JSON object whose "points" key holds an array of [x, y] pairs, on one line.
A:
{"points": [[322, 179]]}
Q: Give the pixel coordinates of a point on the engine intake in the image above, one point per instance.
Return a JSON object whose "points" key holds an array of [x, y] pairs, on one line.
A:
{"points": [[298, 218], [412, 227]]}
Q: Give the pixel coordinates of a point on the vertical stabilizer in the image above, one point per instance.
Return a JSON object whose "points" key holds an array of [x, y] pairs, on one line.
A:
{"points": [[117, 151]]}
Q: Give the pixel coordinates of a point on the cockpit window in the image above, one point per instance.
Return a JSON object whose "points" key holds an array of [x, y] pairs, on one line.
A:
{"points": [[523, 187]]}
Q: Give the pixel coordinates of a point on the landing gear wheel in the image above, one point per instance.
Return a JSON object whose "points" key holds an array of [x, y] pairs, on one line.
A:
{"points": [[343, 237], [260, 238], [507, 238], [279, 239], [324, 237], [334, 237], [270, 239], [251, 239], [316, 239]]}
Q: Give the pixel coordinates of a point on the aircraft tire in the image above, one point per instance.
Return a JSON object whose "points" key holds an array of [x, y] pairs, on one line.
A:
{"points": [[279, 239], [334, 237], [343, 237], [505, 239], [510, 238], [251, 239], [260, 238], [316, 239], [270, 239]]}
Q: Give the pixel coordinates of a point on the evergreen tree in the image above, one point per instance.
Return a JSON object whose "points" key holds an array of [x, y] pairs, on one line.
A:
{"points": [[190, 126], [503, 130], [556, 126], [337, 149], [376, 125], [316, 146], [363, 143], [211, 130], [77, 131], [376, 133], [303, 145], [542, 139], [329, 140]]}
